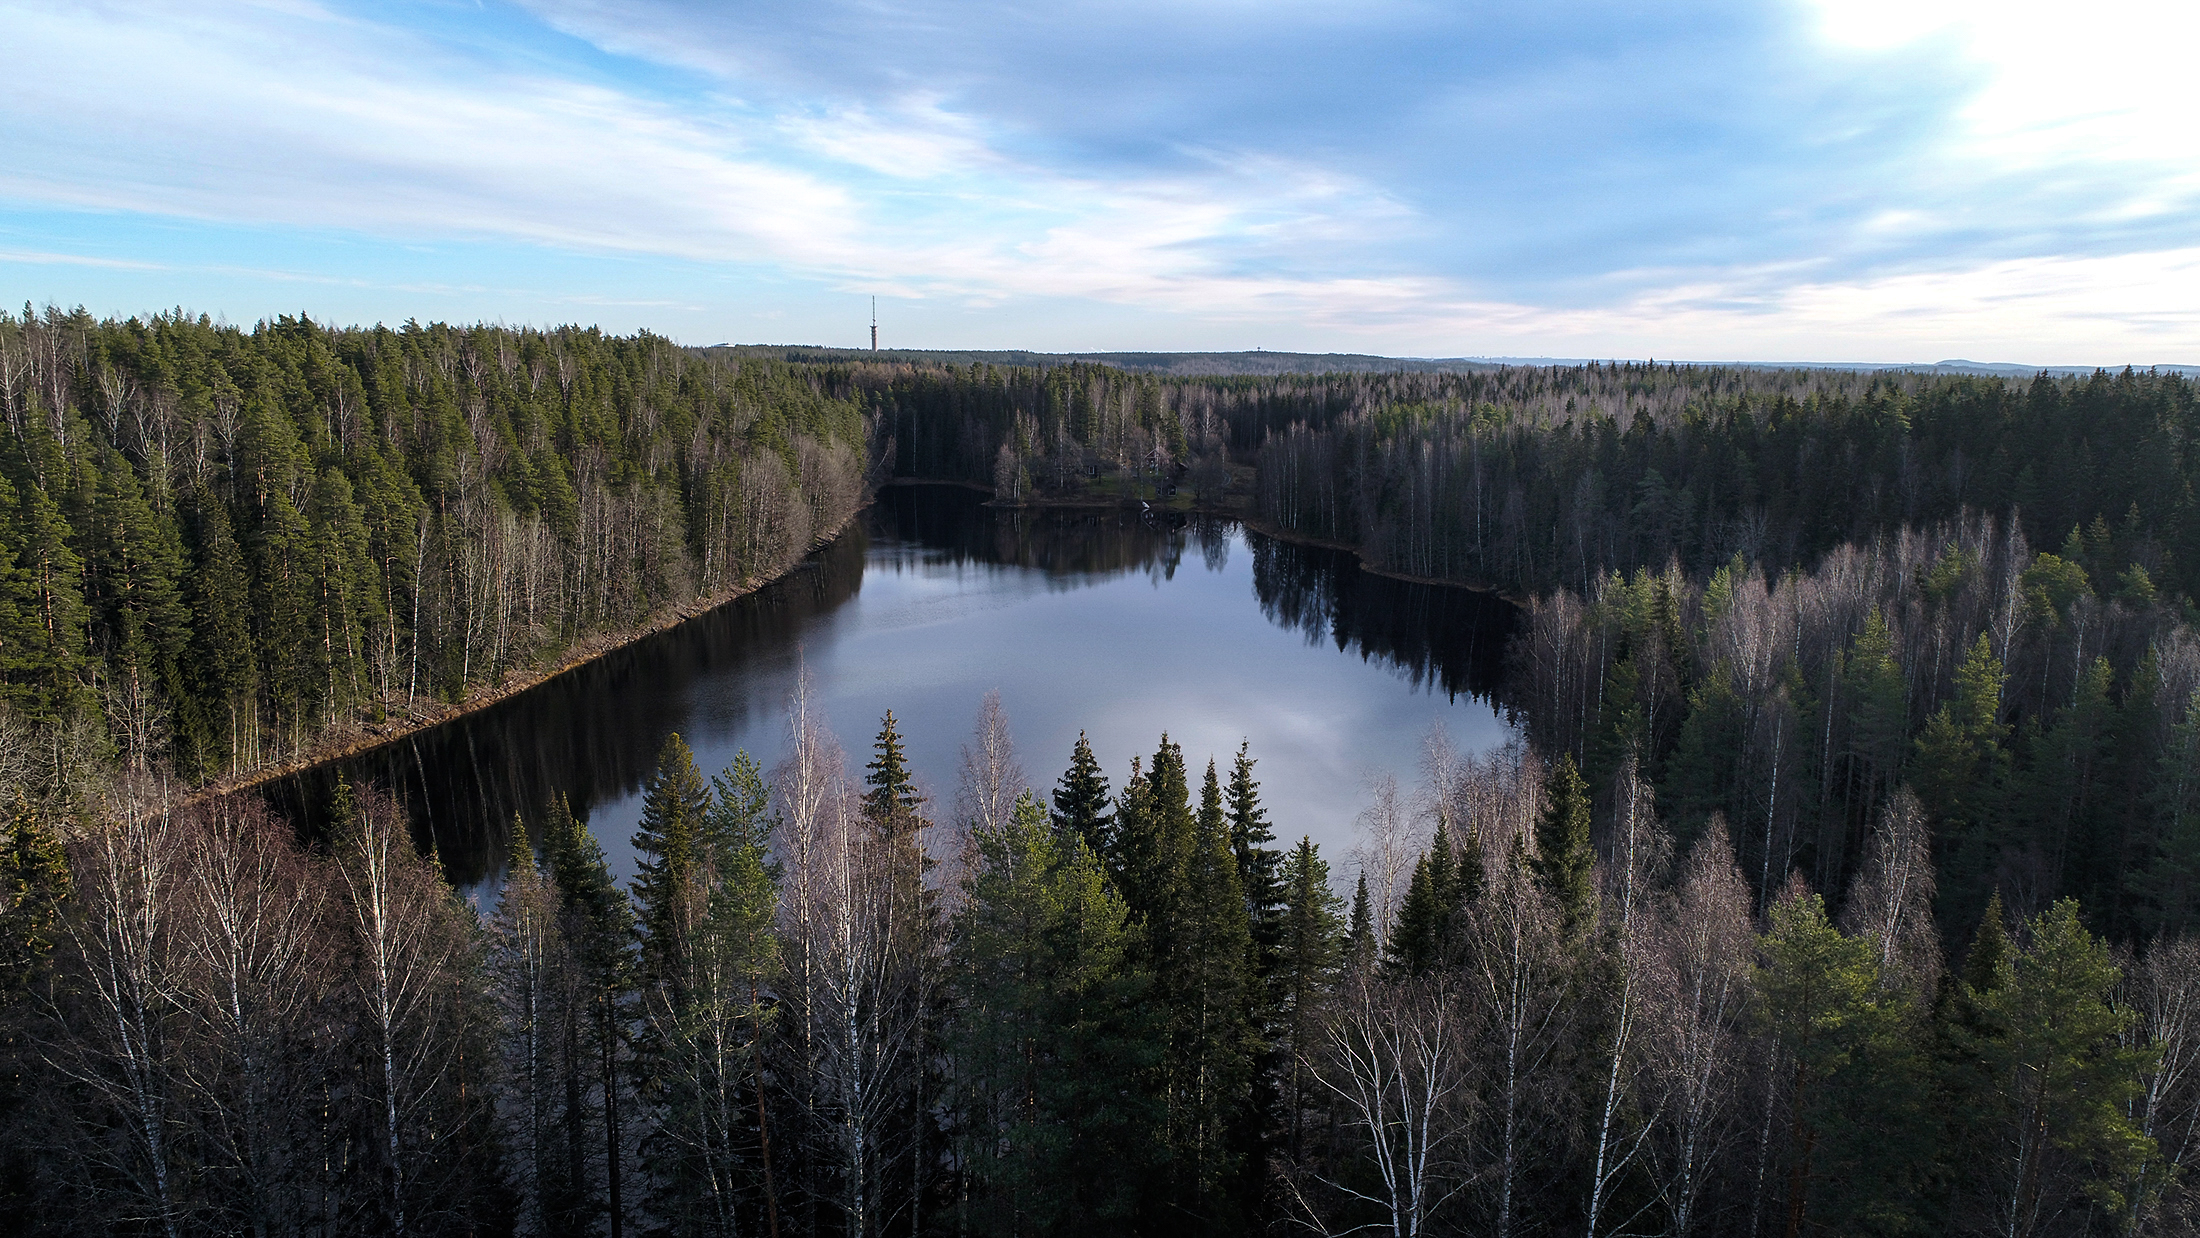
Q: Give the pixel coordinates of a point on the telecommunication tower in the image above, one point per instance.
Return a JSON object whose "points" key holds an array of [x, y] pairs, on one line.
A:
{"points": [[874, 324]]}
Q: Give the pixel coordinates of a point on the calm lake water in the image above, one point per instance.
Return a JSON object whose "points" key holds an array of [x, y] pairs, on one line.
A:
{"points": [[1118, 624]]}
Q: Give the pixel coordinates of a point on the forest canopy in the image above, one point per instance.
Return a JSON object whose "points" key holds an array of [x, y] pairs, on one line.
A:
{"points": [[1843, 877]]}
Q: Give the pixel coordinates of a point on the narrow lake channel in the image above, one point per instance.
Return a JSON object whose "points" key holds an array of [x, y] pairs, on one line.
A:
{"points": [[1120, 624]]}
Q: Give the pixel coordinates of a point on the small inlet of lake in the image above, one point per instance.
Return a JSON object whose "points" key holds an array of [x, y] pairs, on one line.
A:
{"points": [[1121, 624]]}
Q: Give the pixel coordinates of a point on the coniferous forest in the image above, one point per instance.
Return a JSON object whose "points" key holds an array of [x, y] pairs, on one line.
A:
{"points": [[1843, 877]]}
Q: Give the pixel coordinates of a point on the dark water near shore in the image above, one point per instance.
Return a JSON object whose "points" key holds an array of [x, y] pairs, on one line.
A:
{"points": [[1120, 625]]}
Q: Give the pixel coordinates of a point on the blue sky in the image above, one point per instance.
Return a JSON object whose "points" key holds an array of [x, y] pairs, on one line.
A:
{"points": [[1876, 180]]}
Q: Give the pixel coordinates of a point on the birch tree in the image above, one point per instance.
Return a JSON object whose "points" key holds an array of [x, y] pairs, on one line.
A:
{"points": [[1395, 1058]]}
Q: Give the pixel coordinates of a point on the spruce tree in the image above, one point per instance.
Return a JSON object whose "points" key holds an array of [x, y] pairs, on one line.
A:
{"points": [[597, 924], [42, 663], [739, 817], [1259, 863], [892, 800], [1430, 929], [670, 861], [1310, 953], [1960, 774], [1360, 937], [1565, 862], [1053, 1050], [1081, 799], [34, 887], [702, 1005], [1411, 950], [525, 955], [1208, 978]]}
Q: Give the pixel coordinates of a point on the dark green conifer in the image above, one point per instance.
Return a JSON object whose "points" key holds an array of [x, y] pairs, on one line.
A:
{"points": [[1565, 862], [596, 922], [892, 801], [1310, 952], [1360, 937], [669, 860], [1081, 799], [1259, 863], [224, 664]]}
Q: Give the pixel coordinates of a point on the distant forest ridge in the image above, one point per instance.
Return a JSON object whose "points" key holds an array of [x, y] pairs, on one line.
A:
{"points": [[1261, 362]]}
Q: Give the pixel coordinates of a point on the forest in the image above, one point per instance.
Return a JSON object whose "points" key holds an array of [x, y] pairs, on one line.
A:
{"points": [[219, 548], [1842, 878]]}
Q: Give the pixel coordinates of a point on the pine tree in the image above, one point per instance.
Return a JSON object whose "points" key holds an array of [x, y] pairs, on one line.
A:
{"points": [[2062, 1075], [346, 598], [739, 816], [133, 568], [224, 663], [1853, 1073]]}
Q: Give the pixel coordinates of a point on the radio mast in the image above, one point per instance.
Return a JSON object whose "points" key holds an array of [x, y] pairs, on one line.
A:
{"points": [[874, 324]]}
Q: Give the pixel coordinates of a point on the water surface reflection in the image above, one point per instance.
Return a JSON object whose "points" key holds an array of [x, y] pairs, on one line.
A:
{"points": [[1118, 624]]}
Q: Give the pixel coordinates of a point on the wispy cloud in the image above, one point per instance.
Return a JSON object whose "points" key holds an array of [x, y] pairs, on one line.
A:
{"points": [[1722, 178]]}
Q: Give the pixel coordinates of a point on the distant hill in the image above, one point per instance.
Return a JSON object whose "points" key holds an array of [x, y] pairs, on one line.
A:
{"points": [[1259, 363]]}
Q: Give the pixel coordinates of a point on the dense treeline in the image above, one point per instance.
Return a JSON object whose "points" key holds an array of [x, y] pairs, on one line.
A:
{"points": [[217, 545], [817, 1010], [2040, 705], [1530, 479]]}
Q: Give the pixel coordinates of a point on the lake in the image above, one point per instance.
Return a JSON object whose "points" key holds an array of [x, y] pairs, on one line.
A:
{"points": [[1118, 623]]}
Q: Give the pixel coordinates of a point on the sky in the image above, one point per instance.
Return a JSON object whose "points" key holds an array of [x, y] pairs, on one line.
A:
{"points": [[1841, 181]]}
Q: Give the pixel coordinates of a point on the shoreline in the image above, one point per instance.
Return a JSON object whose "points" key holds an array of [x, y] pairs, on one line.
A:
{"points": [[1243, 516], [427, 715]]}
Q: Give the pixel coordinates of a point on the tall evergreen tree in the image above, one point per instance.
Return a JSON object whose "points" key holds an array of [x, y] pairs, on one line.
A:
{"points": [[1430, 929], [670, 863], [1565, 862], [1049, 1040], [596, 922], [2055, 1118], [1310, 954], [1259, 863], [224, 677], [1208, 980], [892, 800], [1854, 1150], [1360, 935], [1962, 768], [1081, 799]]}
